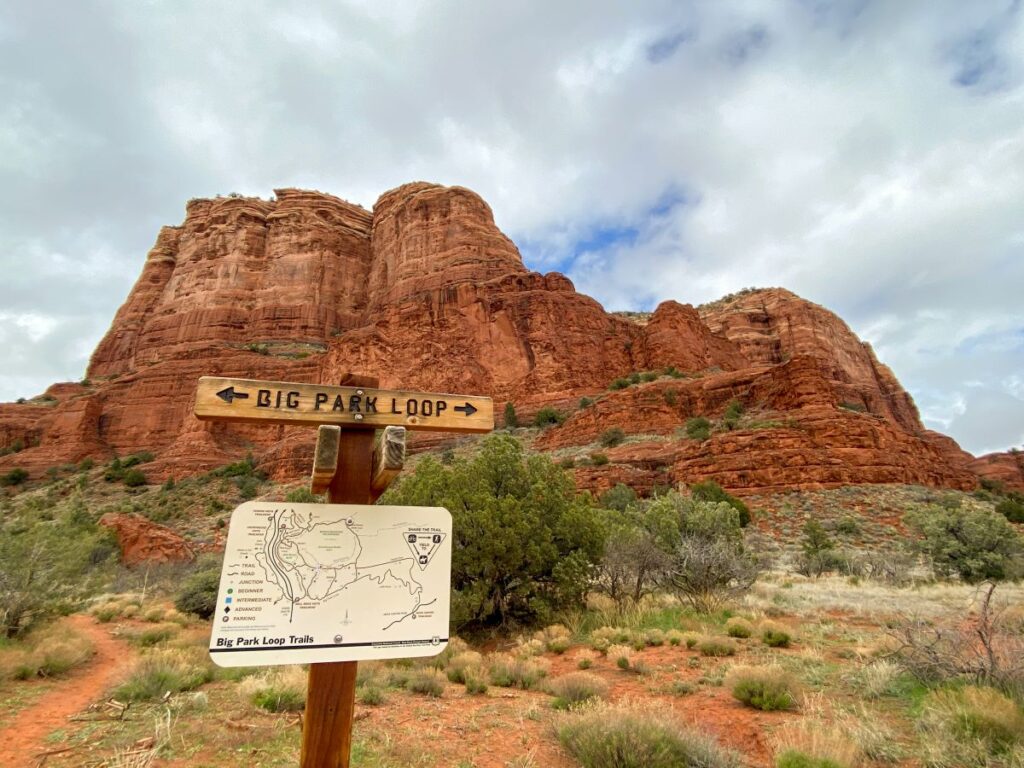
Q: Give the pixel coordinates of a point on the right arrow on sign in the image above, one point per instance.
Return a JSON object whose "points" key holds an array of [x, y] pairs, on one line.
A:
{"points": [[467, 409]]}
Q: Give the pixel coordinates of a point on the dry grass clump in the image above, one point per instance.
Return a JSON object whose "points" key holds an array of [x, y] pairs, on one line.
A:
{"points": [[766, 688], [716, 646], [739, 627], [574, 688], [166, 670], [971, 726], [147, 637], [878, 678], [624, 736], [282, 689], [49, 652], [426, 682], [674, 637], [775, 635], [507, 671], [465, 663], [107, 612], [556, 638], [814, 744], [585, 658], [153, 615], [654, 637], [456, 645]]}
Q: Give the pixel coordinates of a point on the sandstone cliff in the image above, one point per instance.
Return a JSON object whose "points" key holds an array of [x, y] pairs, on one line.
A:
{"points": [[426, 292]]}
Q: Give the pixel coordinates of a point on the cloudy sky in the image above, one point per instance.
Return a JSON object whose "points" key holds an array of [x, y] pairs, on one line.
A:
{"points": [[866, 155]]}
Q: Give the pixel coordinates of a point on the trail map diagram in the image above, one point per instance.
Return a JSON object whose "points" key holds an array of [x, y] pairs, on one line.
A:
{"points": [[346, 582]]}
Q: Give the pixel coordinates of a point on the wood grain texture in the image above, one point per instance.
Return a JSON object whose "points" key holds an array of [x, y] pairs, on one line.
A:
{"points": [[350, 405], [388, 458], [331, 693], [325, 457]]}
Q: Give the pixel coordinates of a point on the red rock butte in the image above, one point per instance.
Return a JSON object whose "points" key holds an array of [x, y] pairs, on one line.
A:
{"points": [[426, 292]]}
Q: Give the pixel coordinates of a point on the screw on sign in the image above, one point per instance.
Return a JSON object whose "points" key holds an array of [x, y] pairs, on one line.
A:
{"points": [[352, 470]]}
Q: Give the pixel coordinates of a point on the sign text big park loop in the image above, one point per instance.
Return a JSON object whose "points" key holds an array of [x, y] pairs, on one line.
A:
{"points": [[352, 470], [278, 402]]}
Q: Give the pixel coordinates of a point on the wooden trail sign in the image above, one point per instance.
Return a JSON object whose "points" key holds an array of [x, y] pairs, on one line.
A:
{"points": [[280, 402], [361, 473]]}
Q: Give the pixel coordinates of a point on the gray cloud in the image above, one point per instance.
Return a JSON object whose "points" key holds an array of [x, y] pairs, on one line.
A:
{"points": [[869, 156]]}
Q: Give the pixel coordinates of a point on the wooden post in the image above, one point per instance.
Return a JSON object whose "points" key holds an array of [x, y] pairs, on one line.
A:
{"points": [[331, 692]]}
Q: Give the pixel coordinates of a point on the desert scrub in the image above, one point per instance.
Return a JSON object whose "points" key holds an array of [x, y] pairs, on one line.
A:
{"points": [[879, 678], [107, 612], [426, 682], [654, 637], [476, 682], [281, 690], [49, 652], [814, 744], [775, 635], [371, 696], [690, 640], [765, 688], [739, 627], [971, 726], [620, 655], [463, 664], [166, 670], [574, 688], [674, 637], [584, 658], [716, 646], [507, 671], [150, 636], [604, 736]]}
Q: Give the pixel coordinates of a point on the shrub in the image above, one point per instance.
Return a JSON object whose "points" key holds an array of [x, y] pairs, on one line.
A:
{"points": [[620, 655], [511, 418], [775, 635], [619, 383], [567, 463], [574, 688], [716, 646], [618, 497], [598, 459], [698, 428], [476, 682], [525, 543], [732, 414], [371, 696], [134, 478], [586, 402], [612, 437], [559, 645], [280, 690], [506, 671], [163, 671], [975, 544], [547, 416], [50, 652], [154, 635], [764, 688], [427, 682], [198, 594], [738, 627], [1011, 509], [302, 496], [16, 476], [654, 637], [462, 665], [605, 736]]}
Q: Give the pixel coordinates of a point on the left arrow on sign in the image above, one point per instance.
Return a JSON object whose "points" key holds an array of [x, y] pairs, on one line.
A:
{"points": [[229, 394]]}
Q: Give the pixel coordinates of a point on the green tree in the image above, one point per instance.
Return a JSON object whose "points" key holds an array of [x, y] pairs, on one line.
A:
{"points": [[198, 594], [511, 419], [525, 543], [48, 566], [709, 490], [975, 544], [618, 498]]}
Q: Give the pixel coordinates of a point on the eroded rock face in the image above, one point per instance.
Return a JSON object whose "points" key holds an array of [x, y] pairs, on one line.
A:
{"points": [[425, 292], [143, 541], [1006, 468]]}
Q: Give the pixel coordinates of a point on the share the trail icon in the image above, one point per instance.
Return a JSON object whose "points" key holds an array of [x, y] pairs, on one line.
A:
{"points": [[291, 568], [423, 545]]}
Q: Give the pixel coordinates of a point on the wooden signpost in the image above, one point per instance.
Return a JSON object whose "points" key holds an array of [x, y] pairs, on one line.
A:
{"points": [[352, 470]]}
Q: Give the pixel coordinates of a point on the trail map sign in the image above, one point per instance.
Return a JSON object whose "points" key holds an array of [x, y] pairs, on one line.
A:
{"points": [[309, 583], [313, 404]]}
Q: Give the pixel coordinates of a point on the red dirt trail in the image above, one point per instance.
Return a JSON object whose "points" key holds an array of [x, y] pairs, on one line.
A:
{"points": [[22, 740]]}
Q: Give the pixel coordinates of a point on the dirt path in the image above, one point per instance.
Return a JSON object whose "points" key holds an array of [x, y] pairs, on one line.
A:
{"points": [[23, 738]]}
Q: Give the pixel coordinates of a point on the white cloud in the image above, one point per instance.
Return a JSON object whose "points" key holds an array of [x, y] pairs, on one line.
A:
{"points": [[869, 156]]}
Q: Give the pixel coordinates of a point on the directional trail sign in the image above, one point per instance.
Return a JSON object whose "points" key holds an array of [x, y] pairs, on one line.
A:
{"points": [[281, 402], [310, 583]]}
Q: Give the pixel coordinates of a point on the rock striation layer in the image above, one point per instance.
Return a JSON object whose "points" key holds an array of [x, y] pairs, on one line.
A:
{"points": [[425, 292]]}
